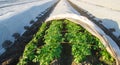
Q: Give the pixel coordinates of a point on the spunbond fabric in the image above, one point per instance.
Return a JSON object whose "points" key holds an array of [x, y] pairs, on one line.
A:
{"points": [[21, 16]]}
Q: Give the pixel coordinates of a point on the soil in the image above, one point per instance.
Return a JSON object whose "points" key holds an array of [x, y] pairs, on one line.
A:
{"points": [[66, 56]]}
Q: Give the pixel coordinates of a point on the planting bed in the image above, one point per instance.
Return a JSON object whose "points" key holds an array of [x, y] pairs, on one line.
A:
{"points": [[62, 42]]}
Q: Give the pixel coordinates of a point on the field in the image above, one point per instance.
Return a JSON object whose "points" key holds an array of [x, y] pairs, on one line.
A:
{"points": [[59, 32]]}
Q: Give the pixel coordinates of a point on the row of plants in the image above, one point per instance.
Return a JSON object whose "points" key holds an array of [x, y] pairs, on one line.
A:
{"points": [[83, 44], [52, 48], [29, 52], [80, 49]]}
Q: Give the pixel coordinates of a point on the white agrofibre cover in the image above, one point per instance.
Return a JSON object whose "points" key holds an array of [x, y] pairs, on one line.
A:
{"points": [[67, 12], [14, 18]]}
